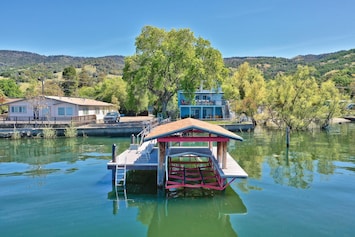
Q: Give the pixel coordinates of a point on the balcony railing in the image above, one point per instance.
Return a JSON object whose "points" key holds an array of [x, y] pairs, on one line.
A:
{"points": [[204, 102]]}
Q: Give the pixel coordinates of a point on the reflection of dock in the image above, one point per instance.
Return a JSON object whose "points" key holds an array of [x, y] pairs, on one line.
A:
{"points": [[186, 210], [196, 216], [182, 166]]}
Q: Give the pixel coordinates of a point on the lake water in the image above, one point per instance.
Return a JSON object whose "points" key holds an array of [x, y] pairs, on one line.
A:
{"points": [[62, 188]]}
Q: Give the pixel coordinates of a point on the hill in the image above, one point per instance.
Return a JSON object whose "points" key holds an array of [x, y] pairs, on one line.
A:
{"points": [[324, 63], [14, 61], [17, 60]]}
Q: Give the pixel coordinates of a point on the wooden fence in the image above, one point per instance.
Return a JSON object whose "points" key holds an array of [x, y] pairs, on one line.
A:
{"points": [[47, 121]]}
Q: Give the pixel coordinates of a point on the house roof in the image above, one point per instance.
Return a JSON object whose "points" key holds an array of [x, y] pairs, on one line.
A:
{"points": [[79, 101], [188, 124], [70, 100], [11, 100]]}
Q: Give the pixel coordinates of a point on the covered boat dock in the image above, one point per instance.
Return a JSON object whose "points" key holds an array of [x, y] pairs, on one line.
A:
{"points": [[187, 153]]}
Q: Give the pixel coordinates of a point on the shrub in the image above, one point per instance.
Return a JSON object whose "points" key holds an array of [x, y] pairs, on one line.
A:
{"points": [[70, 131], [49, 132]]}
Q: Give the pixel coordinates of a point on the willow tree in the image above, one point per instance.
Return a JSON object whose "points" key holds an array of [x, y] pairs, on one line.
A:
{"points": [[168, 61], [297, 100], [332, 105], [245, 90]]}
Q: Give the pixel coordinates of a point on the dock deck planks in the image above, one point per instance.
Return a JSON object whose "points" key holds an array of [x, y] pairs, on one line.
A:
{"points": [[144, 157], [135, 159]]}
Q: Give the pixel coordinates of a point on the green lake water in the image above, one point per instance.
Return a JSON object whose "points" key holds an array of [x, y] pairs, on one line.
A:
{"points": [[62, 187]]}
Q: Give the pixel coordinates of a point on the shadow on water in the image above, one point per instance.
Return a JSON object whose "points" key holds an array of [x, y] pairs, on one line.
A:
{"points": [[196, 212]]}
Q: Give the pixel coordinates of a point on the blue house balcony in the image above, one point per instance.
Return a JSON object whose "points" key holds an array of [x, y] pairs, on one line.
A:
{"points": [[207, 104]]}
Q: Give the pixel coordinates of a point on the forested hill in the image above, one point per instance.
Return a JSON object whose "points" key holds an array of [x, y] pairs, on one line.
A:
{"points": [[324, 63], [11, 61], [16, 60]]}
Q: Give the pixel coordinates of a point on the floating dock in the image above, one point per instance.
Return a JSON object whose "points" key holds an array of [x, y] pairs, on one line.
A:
{"points": [[167, 149]]}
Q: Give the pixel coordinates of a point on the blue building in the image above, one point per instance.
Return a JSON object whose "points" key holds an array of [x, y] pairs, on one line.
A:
{"points": [[208, 104]]}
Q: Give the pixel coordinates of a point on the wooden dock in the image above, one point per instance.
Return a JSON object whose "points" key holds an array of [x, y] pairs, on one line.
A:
{"points": [[137, 157], [233, 169]]}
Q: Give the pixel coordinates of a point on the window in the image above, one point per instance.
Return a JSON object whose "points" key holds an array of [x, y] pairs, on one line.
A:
{"points": [[65, 111], [18, 109], [69, 111], [46, 112], [85, 111], [61, 111]]}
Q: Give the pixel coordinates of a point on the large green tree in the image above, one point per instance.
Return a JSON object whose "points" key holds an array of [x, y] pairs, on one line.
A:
{"points": [[84, 78], [167, 61], [112, 90], [51, 87], [9, 88], [332, 106], [245, 90], [297, 100]]}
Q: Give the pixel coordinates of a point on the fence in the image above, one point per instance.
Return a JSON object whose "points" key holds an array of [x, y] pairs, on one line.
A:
{"points": [[30, 120]]}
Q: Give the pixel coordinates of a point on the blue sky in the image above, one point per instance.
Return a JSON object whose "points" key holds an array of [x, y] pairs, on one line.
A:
{"points": [[92, 28]]}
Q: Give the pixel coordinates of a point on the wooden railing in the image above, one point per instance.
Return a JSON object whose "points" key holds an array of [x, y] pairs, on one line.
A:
{"points": [[85, 119], [30, 120]]}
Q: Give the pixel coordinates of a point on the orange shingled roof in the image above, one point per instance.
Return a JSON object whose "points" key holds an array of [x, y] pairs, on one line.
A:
{"points": [[187, 124]]}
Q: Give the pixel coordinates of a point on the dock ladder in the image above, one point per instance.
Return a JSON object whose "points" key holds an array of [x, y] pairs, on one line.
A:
{"points": [[120, 176], [120, 183]]}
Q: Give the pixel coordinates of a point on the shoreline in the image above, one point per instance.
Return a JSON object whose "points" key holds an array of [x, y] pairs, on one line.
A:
{"points": [[125, 128]]}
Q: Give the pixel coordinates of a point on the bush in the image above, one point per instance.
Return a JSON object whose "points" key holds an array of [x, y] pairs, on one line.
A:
{"points": [[70, 131], [15, 135], [49, 132]]}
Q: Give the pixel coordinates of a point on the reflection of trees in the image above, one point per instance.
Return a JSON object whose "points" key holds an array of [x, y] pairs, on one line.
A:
{"points": [[308, 153], [45, 151], [292, 170], [251, 152], [38, 153]]}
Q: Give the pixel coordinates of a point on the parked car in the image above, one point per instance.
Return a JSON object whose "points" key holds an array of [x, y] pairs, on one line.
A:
{"points": [[351, 106], [112, 117]]}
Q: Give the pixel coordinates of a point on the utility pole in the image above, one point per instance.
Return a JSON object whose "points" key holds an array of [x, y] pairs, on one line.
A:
{"points": [[42, 81]]}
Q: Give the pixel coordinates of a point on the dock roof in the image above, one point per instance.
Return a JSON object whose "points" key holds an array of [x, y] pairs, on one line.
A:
{"points": [[189, 124]]}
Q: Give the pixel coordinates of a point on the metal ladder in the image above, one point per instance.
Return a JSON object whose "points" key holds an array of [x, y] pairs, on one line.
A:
{"points": [[120, 183], [120, 176]]}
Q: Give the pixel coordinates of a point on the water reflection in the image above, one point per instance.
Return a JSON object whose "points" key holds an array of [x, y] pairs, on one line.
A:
{"points": [[40, 157], [309, 154], [45, 151], [193, 213]]}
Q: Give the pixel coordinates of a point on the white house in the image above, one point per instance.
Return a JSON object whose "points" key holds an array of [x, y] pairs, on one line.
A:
{"points": [[55, 108]]}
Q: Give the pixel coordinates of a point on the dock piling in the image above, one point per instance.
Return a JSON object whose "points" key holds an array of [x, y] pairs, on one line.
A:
{"points": [[114, 161], [133, 139], [114, 153], [287, 136]]}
